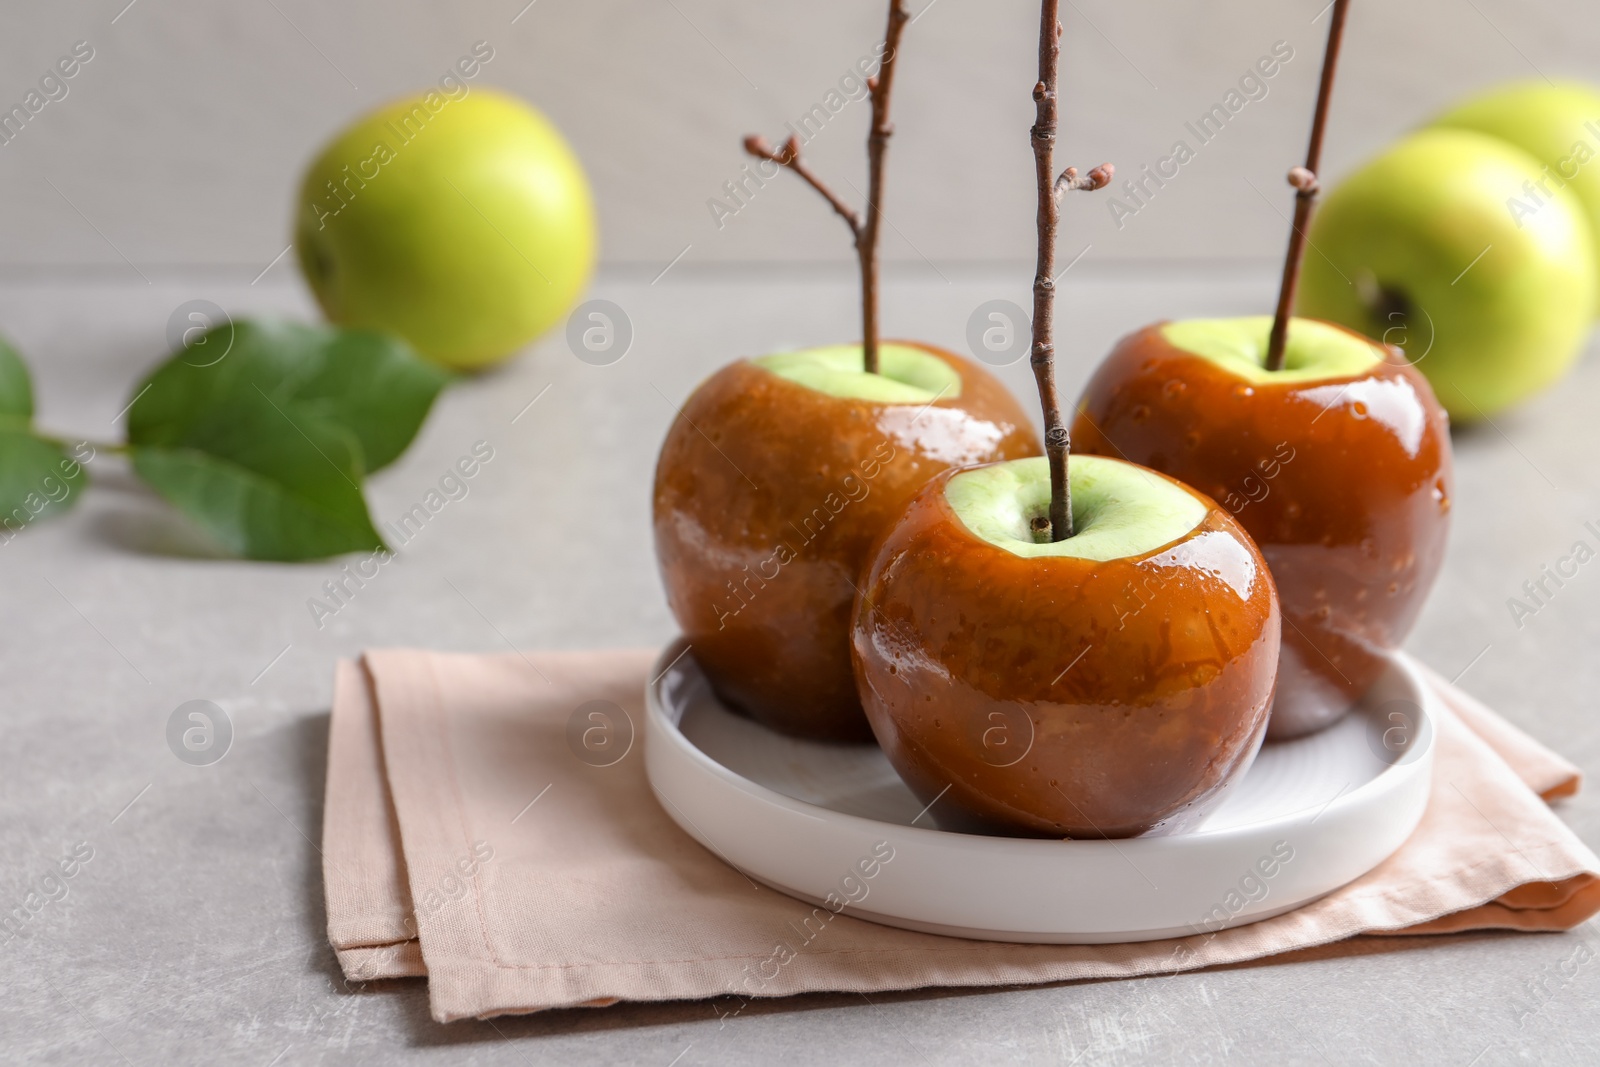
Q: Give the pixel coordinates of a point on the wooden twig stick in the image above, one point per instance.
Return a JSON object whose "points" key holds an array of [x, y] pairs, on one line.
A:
{"points": [[880, 87], [1304, 181], [864, 225], [789, 156], [1057, 444]]}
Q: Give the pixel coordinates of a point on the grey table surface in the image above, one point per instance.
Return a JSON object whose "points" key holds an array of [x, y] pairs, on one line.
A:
{"points": [[195, 934]]}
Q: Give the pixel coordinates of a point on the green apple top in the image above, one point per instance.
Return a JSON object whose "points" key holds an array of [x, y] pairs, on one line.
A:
{"points": [[463, 223], [906, 374], [1557, 124], [1313, 351], [1420, 248], [1119, 510]]}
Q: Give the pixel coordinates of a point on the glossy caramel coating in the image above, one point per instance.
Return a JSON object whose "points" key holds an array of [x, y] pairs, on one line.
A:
{"points": [[1344, 483], [768, 497], [1060, 697]]}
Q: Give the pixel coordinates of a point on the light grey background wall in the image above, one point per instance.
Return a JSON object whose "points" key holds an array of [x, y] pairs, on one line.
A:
{"points": [[180, 142]]}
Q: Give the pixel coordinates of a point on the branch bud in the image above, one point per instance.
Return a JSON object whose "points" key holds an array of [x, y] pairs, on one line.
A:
{"points": [[1098, 178], [1304, 181]]}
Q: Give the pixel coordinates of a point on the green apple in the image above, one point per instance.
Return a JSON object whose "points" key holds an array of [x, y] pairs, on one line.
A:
{"points": [[1559, 125], [1118, 509], [1313, 351], [1419, 249], [907, 374], [461, 222]]}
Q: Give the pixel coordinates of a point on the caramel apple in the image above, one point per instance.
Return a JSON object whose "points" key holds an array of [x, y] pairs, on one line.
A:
{"points": [[1330, 450], [1110, 684], [783, 469], [770, 491], [1065, 649], [1338, 465]]}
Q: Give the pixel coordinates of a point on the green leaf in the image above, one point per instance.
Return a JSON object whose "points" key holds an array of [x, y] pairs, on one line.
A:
{"points": [[37, 480], [16, 389], [265, 482], [262, 432], [372, 384]]}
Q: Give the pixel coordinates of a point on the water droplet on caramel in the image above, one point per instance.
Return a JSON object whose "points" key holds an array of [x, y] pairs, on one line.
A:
{"points": [[1174, 389], [1140, 413], [1441, 497], [1241, 391], [1359, 408]]}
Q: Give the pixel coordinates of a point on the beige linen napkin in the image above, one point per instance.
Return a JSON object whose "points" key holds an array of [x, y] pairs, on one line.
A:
{"points": [[464, 840]]}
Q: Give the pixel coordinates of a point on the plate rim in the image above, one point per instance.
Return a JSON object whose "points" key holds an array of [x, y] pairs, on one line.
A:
{"points": [[1418, 759]]}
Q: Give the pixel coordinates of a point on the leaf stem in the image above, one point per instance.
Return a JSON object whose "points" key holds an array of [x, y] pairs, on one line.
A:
{"points": [[1306, 187], [98, 446]]}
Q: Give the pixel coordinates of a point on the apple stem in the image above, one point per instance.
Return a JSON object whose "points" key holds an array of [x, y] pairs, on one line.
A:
{"points": [[1051, 187], [864, 225], [1306, 187]]}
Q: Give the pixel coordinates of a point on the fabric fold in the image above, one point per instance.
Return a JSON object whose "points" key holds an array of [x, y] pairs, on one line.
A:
{"points": [[475, 834]]}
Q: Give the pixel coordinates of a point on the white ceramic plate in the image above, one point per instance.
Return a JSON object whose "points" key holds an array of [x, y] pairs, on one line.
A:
{"points": [[811, 820]]}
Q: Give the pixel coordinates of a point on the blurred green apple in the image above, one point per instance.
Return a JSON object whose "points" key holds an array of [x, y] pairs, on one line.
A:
{"points": [[1418, 249], [462, 222], [1559, 125]]}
